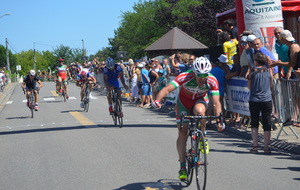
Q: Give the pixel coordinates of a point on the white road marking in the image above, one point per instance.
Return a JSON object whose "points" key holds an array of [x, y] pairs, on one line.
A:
{"points": [[72, 98], [9, 102], [49, 99]]}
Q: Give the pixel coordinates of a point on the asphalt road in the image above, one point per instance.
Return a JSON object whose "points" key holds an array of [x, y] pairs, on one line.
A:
{"points": [[64, 148]]}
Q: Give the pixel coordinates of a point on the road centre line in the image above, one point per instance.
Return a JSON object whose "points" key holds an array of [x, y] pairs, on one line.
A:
{"points": [[54, 93], [82, 119]]}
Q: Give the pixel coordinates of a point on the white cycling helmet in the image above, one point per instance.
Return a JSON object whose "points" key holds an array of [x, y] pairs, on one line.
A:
{"points": [[32, 72], [201, 65], [110, 63]]}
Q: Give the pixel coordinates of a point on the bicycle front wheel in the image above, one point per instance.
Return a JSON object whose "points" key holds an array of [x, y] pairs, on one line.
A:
{"points": [[31, 104], [189, 160], [201, 165]]}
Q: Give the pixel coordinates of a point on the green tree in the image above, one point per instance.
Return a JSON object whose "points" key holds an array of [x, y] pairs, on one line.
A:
{"points": [[64, 52]]}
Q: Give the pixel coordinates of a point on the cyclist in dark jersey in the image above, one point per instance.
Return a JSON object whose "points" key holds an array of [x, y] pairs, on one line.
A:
{"points": [[29, 83]]}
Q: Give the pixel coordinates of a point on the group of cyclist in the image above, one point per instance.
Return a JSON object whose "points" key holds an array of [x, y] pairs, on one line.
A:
{"points": [[194, 85]]}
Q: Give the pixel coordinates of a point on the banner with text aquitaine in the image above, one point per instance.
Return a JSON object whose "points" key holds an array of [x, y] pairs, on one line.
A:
{"points": [[262, 16]]}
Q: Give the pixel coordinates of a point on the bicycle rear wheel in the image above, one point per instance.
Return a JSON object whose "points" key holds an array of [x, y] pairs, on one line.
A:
{"points": [[119, 111], [201, 166], [64, 95], [86, 100]]}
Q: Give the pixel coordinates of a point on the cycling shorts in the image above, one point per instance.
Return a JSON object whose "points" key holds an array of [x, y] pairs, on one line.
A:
{"points": [[186, 108], [63, 79], [114, 83]]}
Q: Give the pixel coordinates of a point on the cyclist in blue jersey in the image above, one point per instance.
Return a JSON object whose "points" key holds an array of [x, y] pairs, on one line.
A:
{"points": [[111, 73]]}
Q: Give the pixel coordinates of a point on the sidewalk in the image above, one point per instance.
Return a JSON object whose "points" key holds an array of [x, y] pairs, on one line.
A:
{"points": [[5, 95]]}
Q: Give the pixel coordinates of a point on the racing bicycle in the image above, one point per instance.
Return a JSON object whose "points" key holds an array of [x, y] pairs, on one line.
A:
{"points": [[86, 97], [117, 108], [31, 100], [62, 93], [196, 153]]}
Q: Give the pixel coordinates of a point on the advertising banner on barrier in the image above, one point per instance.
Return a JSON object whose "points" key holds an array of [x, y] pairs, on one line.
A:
{"points": [[238, 95]]}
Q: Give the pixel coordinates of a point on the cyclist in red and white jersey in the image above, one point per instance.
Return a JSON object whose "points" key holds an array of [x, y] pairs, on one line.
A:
{"points": [[62, 74], [192, 100], [85, 78]]}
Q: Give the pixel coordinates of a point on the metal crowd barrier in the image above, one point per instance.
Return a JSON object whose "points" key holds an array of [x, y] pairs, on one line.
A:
{"points": [[286, 103]]}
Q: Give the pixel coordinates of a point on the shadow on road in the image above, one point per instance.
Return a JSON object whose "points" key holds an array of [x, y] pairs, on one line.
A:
{"points": [[160, 184], [64, 128]]}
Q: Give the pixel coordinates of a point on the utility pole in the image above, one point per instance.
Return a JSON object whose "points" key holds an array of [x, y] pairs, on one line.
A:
{"points": [[7, 56], [34, 57], [84, 53]]}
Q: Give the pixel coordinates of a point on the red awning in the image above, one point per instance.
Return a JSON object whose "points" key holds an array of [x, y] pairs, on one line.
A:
{"points": [[291, 8], [290, 3]]}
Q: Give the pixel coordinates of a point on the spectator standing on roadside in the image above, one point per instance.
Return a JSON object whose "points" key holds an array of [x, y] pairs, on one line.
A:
{"points": [[146, 91], [166, 68], [219, 73], [134, 83], [283, 54], [294, 55], [223, 60], [153, 80], [243, 58], [230, 26], [235, 72], [229, 47], [260, 100]]}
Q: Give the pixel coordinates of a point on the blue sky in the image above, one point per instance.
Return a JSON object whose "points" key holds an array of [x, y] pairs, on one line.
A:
{"points": [[44, 25]]}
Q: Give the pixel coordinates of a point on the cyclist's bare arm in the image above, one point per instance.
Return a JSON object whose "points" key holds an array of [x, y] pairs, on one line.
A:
{"points": [[92, 80], [164, 92], [23, 85], [217, 110], [40, 84]]}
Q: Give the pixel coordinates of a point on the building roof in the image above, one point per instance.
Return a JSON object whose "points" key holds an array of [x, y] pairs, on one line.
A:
{"points": [[176, 39]]}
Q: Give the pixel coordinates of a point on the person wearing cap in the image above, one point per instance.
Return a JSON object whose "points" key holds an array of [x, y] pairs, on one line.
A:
{"points": [[223, 60], [243, 58], [294, 55], [62, 74], [145, 87], [283, 53], [246, 33], [28, 84]]}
